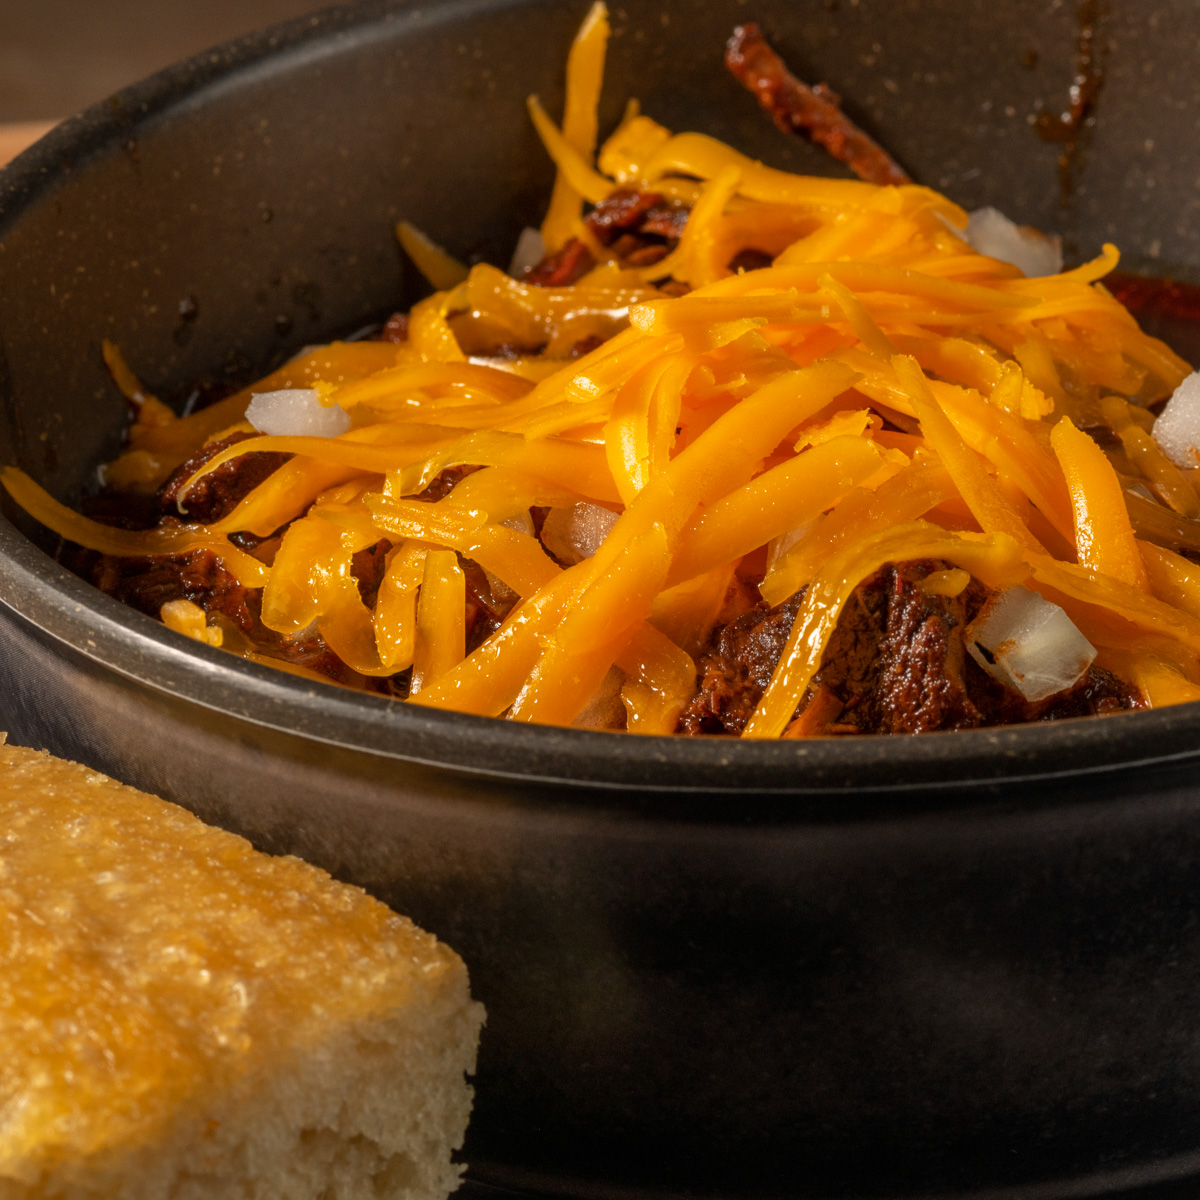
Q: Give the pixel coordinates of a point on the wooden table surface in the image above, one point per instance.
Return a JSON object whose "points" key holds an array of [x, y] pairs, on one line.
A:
{"points": [[15, 137]]}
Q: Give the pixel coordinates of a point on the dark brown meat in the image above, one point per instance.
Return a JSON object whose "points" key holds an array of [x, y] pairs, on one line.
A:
{"points": [[735, 672], [750, 260], [586, 345], [218, 493], [665, 220], [921, 686], [813, 112], [564, 267], [444, 482], [621, 211], [896, 664], [1099, 693], [641, 228], [395, 329], [148, 583], [485, 611], [368, 567]]}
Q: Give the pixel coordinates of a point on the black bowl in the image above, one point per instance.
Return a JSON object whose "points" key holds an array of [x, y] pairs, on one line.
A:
{"points": [[960, 964]]}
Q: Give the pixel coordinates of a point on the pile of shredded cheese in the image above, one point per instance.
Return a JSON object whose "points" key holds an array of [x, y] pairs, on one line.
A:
{"points": [[881, 393]]}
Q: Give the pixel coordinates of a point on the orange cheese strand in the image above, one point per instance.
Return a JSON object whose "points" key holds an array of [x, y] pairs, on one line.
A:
{"points": [[909, 494], [594, 631], [579, 466], [1174, 579], [517, 559], [311, 566], [395, 618], [441, 619], [661, 679], [585, 73], [488, 680], [984, 498], [336, 363], [1103, 534], [129, 543], [627, 431], [1129, 602], [783, 498]]}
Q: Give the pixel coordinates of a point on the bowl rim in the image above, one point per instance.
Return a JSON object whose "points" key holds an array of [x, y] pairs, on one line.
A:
{"points": [[40, 591]]}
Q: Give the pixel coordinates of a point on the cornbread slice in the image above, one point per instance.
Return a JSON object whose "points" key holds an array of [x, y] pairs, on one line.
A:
{"points": [[183, 1017]]}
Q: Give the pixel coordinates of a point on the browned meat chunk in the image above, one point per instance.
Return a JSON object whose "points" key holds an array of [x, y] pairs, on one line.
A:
{"points": [[444, 482], [814, 112], [895, 664], [219, 493], [395, 329], [148, 583], [485, 610], [368, 567], [921, 658], [735, 672], [621, 211], [665, 220], [564, 267]]}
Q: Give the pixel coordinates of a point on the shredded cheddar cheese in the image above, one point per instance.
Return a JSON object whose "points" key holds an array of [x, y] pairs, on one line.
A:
{"points": [[871, 391]]}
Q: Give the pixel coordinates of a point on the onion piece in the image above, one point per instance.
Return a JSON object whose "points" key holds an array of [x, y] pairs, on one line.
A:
{"points": [[1028, 644], [573, 534], [1177, 428], [296, 412], [529, 251], [778, 547], [1032, 252]]}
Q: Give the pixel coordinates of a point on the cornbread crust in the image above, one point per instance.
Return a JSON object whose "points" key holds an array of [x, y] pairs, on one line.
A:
{"points": [[184, 1017]]}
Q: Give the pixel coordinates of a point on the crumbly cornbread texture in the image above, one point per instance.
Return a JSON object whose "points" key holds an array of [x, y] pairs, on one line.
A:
{"points": [[184, 1017]]}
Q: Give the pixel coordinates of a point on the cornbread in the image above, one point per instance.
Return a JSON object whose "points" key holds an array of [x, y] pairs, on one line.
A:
{"points": [[182, 1016]]}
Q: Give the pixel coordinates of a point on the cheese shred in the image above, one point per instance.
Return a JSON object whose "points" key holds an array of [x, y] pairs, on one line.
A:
{"points": [[868, 390]]}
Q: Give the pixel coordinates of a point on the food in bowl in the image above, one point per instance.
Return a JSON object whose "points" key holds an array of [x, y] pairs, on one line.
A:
{"points": [[726, 451], [184, 1016]]}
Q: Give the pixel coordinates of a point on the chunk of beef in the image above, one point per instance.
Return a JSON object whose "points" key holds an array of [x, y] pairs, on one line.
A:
{"points": [[564, 267], [814, 112], [368, 567], [665, 220], [395, 328], [444, 482], [736, 670], [750, 260], [1099, 693], [123, 510], [485, 610], [621, 211], [148, 583], [921, 658], [217, 494], [895, 664], [586, 345]]}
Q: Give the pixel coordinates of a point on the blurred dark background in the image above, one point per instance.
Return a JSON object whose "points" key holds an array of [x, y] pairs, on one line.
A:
{"points": [[59, 56]]}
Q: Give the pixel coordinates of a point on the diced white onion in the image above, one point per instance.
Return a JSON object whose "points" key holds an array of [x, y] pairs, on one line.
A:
{"points": [[522, 522], [530, 250], [604, 710], [778, 547], [1034, 253], [1177, 429], [573, 534], [296, 412], [1029, 644]]}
